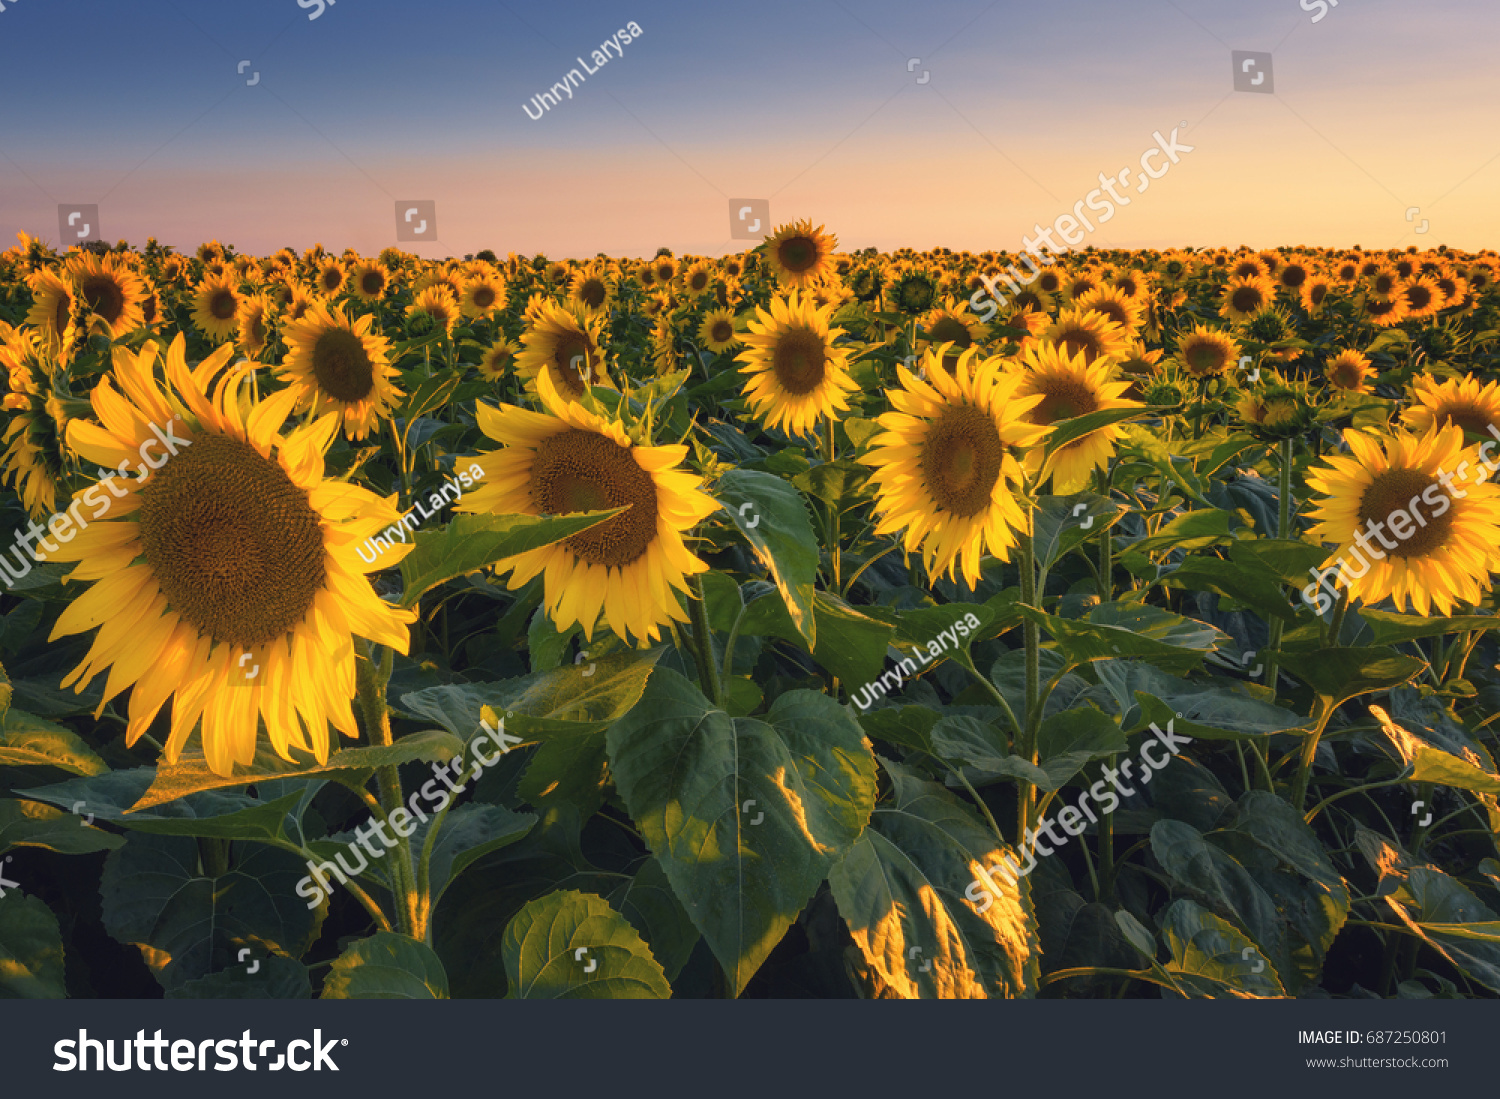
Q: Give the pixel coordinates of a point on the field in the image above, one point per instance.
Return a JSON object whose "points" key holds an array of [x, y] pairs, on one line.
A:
{"points": [[794, 623]]}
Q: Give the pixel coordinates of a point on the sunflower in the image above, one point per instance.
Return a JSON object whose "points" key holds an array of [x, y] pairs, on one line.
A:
{"points": [[951, 322], [234, 553], [1070, 384], [592, 290], [1206, 353], [433, 308], [369, 281], [566, 459], [34, 458], [253, 321], [567, 346], [943, 468], [1472, 405], [1276, 410], [797, 375], [1087, 333], [1115, 304], [913, 291], [112, 290], [717, 331], [1315, 292], [664, 269], [697, 279], [499, 360], [484, 296], [1245, 296], [215, 304], [1349, 371], [1422, 296], [1383, 311], [800, 255], [1444, 540], [330, 278], [334, 364], [51, 313]]}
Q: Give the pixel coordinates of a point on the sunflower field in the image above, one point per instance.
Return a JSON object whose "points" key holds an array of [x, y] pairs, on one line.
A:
{"points": [[794, 623]]}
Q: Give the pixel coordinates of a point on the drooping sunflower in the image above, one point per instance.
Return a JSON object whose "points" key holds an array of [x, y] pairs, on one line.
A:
{"points": [[253, 322], [34, 457], [800, 255], [944, 470], [234, 554], [1348, 371], [1442, 544], [215, 304], [717, 331], [1245, 296], [797, 373], [1071, 385], [499, 360], [334, 364], [51, 310], [1087, 333], [565, 460], [567, 346], [1471, 404], [110, 288], [433, 308], [1207, 353]]}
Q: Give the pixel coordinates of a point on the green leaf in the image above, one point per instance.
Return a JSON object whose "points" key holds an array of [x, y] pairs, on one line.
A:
{"points": [[1228, 579], [387, 966], [1191, 530], [850, 644], [1211, 959], [1386, 628], [1116, 630], [574, 946], [1070, 431], [647, 901], [910, 892], [154, 894], [31, 950], [688, 774], [469, 833], [1215, 715], [30, 741], [1069, 740], [1429, 763], [472, 542], [1059, 524], [1280, 559], [5, 687], [32, 824], [772, 516], [275, 978], [1341, 674], [963, 739], [1439, 910]]}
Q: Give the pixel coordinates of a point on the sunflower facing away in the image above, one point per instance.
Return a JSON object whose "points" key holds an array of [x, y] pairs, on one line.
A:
{"points": [[567, 347], [1471, 404], [944, 471], [1070, 386], [235, 553], [337, 365], [51, 309], [1423, 544], [566, 459], [801, 255], [797, 375]]}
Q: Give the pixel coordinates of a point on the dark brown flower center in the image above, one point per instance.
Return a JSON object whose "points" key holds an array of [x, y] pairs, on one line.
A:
{"points": [[961, 460], [800, 361], [1400, 490], [222, 304], [233, 542], [105, 296], [343, 366], [797, 254], [577, 470], [1246, 299]]}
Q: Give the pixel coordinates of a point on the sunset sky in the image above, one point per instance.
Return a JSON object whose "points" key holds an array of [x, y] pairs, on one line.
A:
{"points": [[1381, 106]]}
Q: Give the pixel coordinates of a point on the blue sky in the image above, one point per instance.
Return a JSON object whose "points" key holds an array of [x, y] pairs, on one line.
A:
{"points": [[1379, 107]]}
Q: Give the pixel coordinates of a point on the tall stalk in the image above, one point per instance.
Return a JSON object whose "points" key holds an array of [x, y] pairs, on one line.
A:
{"points": [[372, 684]]}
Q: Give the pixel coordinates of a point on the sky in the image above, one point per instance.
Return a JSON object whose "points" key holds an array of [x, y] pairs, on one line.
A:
{"points": [[957, 123]]}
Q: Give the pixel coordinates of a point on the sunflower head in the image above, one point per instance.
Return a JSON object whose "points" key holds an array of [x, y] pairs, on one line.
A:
{"points": [[914, 291], [1277, 410], [798, 372], [1086, 333], [1467, 403], [1207, 353], [568, 346], [800, 255], [1348, 371], [111, 290], [335, 364], [1070, 386], [717, 331], [499, 361], [1245, 296]]}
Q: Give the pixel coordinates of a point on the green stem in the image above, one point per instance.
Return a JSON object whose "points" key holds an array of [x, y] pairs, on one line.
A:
{"points": [[1326, 707], [833, 506], [372, 684], [1033, 635], [703, 645]]}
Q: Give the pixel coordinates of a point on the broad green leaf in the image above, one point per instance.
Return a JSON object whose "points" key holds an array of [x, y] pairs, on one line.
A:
{"points": [[772, 516], [30, 741], [472, 542], [32, 824], [470, 832], [1212, 875], [574, 946], [1229, 579], [1191, 530], [913, 893], [1062, 523], [387, 966], [275, 978], [31, 949], [1279, 559], [1215, 715], [908, 726], [118, 798], [850, 644], [154, 895], [745, 814], [1069, 740], [5, 687], [1430, 763], [352, 766], [1461, 927], [1342, 674], [1386, 628], [1114, 631], [1212, 960], [963, 739], [1070, 431], [647, 901]]}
